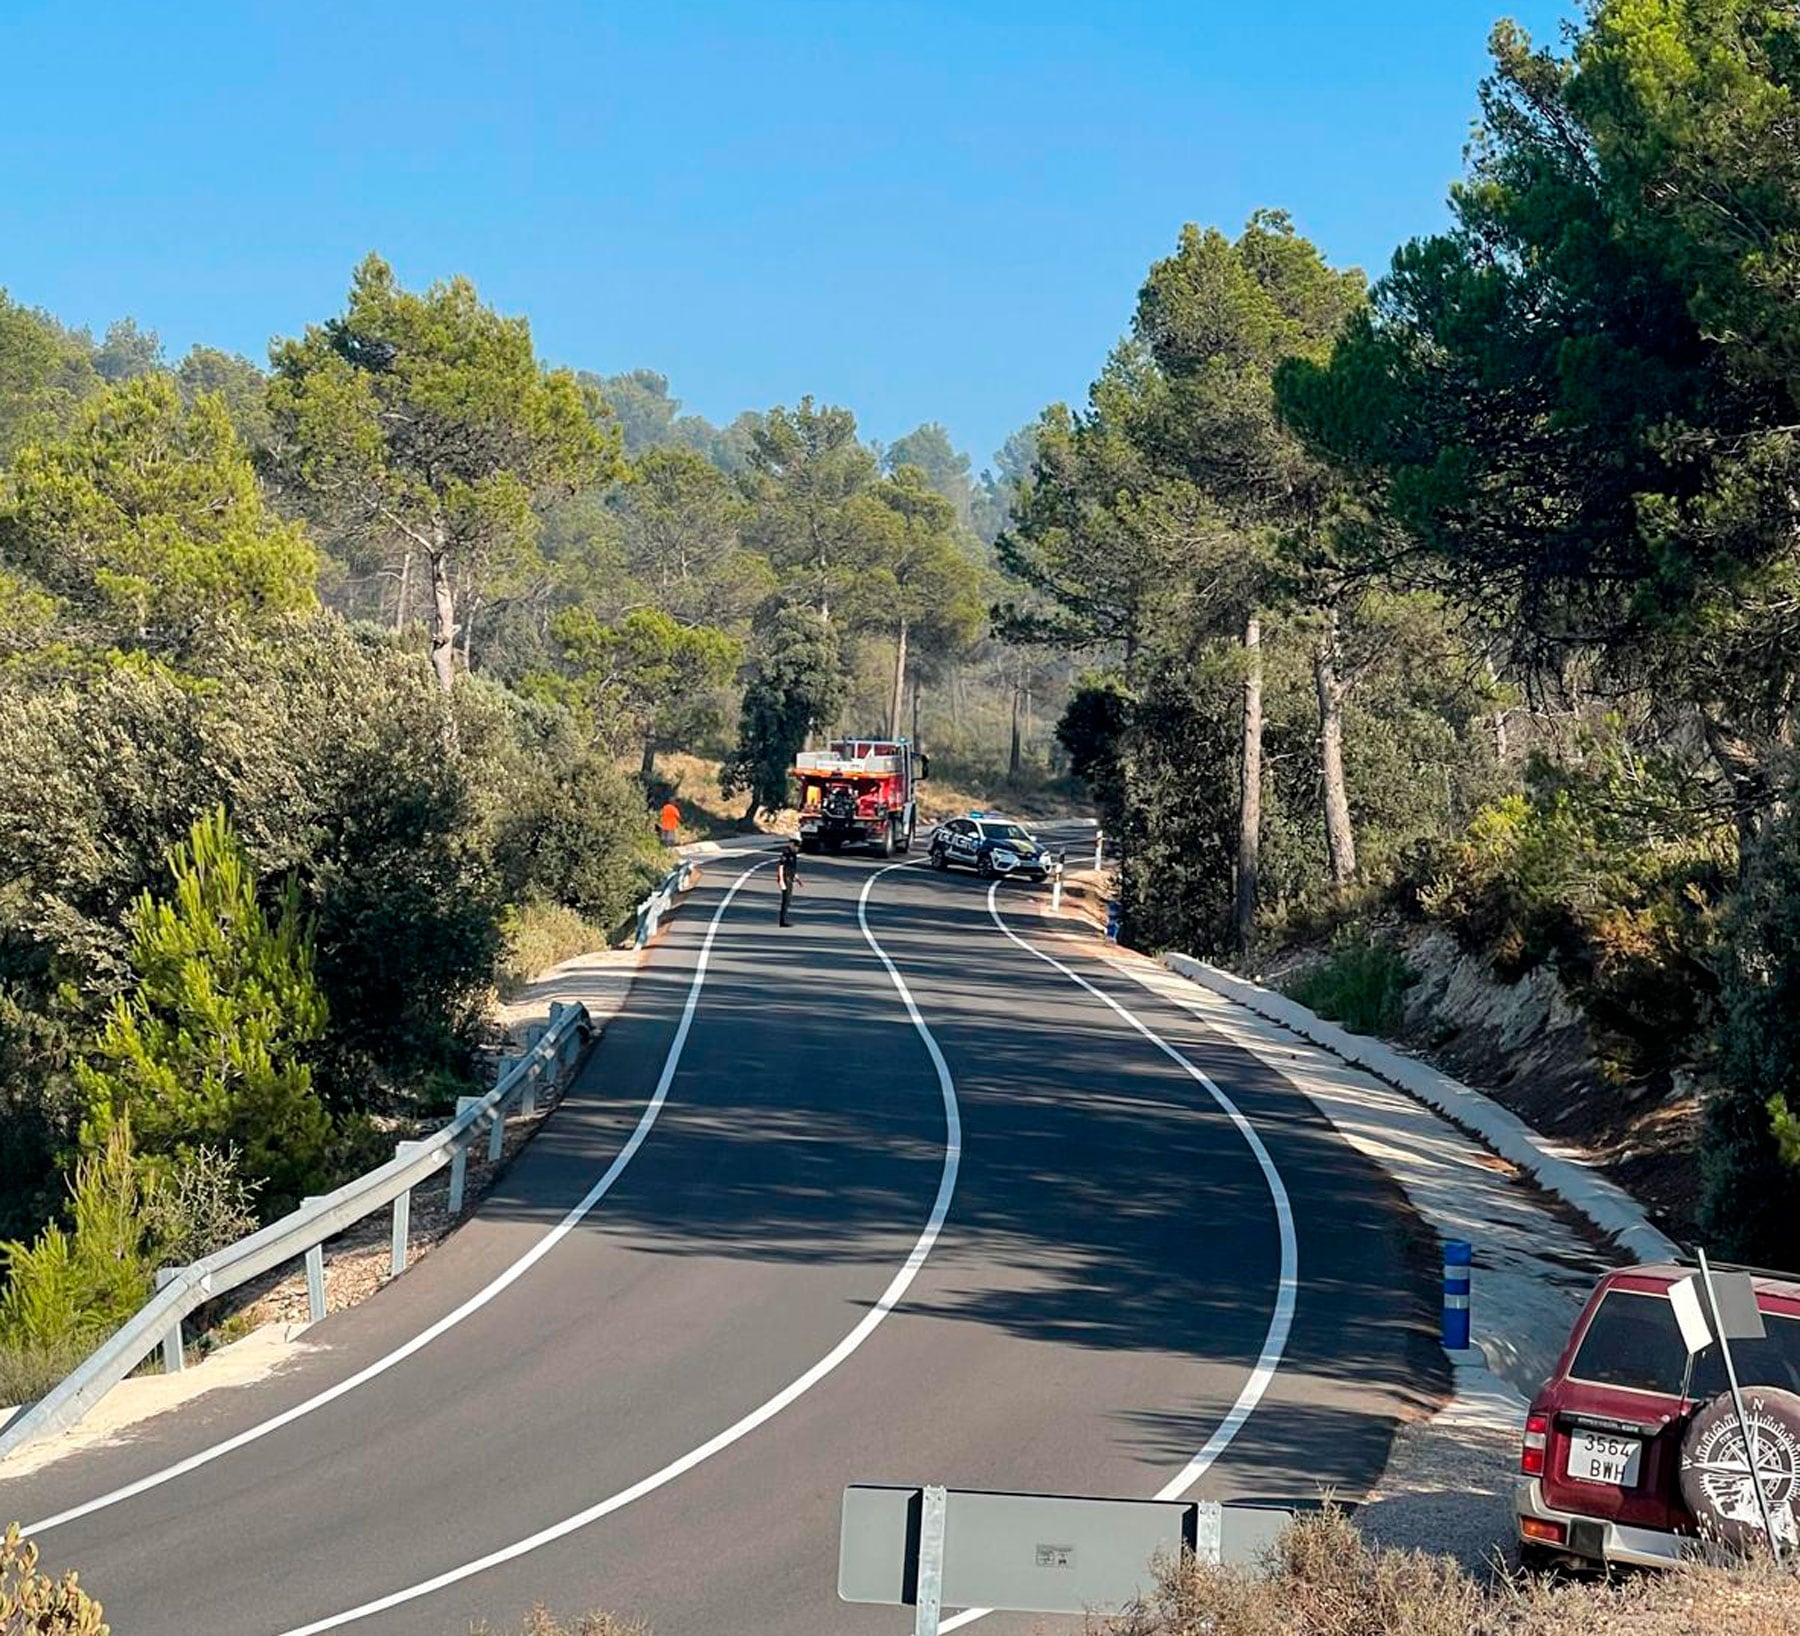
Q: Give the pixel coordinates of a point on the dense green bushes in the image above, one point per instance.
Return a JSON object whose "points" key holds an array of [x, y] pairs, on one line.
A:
{"points": [[1361, 983], [1752, 1204], [1608, 875], [209, 1047]]}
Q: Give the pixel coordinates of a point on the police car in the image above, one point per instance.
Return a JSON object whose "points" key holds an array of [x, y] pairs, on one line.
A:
{"points": [[993, 847]]}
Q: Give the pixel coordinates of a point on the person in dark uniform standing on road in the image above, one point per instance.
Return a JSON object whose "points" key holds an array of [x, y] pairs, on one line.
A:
{"points": [[787, 876]]}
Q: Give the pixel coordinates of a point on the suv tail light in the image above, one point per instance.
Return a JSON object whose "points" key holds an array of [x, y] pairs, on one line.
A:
{"points": [[1537, 1437], [1542, 1531]]}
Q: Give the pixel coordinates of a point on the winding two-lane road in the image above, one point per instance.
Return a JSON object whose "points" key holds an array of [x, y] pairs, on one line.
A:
{"points": [[1009, 1235]]}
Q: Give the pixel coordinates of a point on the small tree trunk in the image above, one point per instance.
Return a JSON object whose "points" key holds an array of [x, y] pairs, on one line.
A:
{"points": [[1250, 793], [443, 618], [405, 591], [915, 711], [468, 631], [1340, 835], [647, 767], [895, 711], [1012, 760]]}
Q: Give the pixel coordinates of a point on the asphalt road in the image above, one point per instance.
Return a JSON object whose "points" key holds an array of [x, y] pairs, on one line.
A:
{"points": [[1090, 1310]]}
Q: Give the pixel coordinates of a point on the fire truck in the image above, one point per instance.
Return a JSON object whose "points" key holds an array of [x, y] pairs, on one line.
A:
{"points": [[859, 792]]}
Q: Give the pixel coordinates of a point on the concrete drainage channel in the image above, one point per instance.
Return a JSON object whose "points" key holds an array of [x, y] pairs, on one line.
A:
{"points": [[1448, 1484]]}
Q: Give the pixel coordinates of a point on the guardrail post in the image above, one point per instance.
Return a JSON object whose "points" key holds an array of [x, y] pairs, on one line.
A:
{"points": [[402, 1226], [528, 1097], [1099, 850], [497, 1133], [315, 1278], [459, 1161], [174, 1355], [402, 1230], [459, 1168]]}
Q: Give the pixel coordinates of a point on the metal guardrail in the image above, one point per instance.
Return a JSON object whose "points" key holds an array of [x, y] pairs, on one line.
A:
{"points": [[659, 902], [303, 1232]]}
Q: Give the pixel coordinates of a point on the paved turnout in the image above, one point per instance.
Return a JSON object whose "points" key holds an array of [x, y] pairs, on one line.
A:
{"points": [[1047, 1260]]}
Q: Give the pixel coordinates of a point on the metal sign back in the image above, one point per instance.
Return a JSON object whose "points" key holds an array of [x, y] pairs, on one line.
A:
{"points": [[1035, 1553], [1739, 1315]]}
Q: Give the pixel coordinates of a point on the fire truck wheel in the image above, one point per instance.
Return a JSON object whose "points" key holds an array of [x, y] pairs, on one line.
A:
{"points": [[885, 846], [906, 838]]}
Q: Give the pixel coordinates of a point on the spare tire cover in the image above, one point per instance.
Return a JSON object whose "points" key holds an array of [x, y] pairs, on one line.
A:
{"points": [[1715, 1474]]}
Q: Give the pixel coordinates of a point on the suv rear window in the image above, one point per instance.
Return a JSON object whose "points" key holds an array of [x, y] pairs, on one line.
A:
{"points": [[1633, 1341]]}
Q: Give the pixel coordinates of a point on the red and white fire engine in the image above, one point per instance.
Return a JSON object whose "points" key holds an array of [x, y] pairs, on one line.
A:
{"points": [[859, 792]]}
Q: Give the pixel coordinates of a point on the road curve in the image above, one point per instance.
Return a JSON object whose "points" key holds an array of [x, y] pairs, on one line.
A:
{"points": [[1104, 1283]]}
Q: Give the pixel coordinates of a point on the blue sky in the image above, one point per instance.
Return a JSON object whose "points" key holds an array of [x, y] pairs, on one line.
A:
{"points": [[923, 211]]}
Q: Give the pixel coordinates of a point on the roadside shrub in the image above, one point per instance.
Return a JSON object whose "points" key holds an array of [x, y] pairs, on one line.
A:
{"points": [[29, 1370], [1361, 983], [39, 1109], [1611, 877], [65, 1292], [1323, 1579], [578, 836], [199, 1204], [541, 1622], [1752, 1188], [208, 1048], [33, 1602], [542, 935]]}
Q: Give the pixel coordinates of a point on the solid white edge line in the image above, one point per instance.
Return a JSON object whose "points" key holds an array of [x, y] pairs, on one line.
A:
{"points": [[890, 1297], [475, 1302], [1282, 1319]]}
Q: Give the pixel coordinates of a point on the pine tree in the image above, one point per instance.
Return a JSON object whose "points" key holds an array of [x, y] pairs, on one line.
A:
{"points": [[209, 1047]]}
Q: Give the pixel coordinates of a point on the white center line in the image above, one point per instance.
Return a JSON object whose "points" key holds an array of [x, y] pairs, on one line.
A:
{"points": [[890, 1298], [1287, 1289], [475, 1302]]}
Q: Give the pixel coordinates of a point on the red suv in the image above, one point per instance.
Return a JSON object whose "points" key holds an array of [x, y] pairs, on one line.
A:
{"points": [[1632, 1451]]}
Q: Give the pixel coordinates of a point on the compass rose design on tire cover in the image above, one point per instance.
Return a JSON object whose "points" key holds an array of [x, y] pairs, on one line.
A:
{"points": [[1715, 1472]]}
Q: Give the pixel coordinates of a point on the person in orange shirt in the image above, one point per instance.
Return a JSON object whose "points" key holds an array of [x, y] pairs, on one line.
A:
{"points": [[671, 822]]}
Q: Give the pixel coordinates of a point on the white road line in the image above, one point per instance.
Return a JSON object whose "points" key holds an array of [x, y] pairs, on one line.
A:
{"points": [[890, 1297], [1280, 1322], [475, 1302]]}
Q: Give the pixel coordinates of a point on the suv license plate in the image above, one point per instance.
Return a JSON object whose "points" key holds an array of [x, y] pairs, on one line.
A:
{"points": [[1600, 1457]]}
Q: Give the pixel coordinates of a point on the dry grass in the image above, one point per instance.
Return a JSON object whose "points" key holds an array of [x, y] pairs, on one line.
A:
{"points": [[705, 813], [1325, 1580], [27, 1372], [541, 1622], [539, 936]]}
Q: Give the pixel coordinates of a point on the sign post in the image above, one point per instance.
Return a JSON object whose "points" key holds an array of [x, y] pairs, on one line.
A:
{"points": [[1746, 1327]]}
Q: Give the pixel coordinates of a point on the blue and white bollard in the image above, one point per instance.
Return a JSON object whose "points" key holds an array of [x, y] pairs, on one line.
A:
{"points": [[1458, 1258]]}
